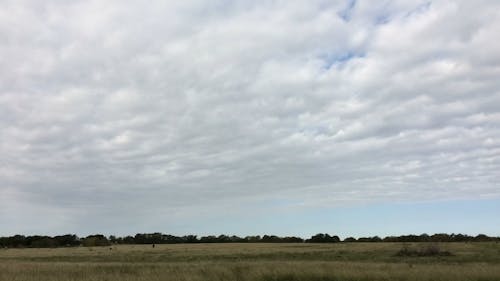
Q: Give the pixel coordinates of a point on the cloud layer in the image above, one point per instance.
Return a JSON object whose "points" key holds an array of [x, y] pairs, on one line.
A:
{"points": [[118, 110]]}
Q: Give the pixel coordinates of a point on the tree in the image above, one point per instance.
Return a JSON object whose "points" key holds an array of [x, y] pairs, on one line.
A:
{"points": [[96, 240], [68, 240], [44, 242], [323, 238]]}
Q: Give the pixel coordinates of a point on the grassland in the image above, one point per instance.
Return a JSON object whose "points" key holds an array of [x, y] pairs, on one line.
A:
{"points": [[268, 262]]}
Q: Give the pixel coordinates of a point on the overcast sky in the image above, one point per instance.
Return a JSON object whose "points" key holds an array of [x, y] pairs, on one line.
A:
{"points": [[249, 117]]}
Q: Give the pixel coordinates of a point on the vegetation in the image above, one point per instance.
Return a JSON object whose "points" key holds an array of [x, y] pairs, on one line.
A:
{"points": [[254, 261], [96, 240], [427, 250], [70, 240]]}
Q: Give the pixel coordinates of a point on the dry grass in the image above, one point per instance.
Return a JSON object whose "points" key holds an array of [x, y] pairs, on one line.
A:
{"points": [[273, 262]]}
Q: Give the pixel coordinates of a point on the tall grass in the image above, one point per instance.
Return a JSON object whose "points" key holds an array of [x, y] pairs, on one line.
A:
{"points": [[249, 262]]}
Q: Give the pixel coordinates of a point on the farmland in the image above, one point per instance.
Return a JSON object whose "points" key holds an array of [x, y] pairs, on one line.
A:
{"points": [[256, 261]]}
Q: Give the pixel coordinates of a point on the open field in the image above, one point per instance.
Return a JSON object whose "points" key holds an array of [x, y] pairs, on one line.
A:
{"points": [[279, 262]]}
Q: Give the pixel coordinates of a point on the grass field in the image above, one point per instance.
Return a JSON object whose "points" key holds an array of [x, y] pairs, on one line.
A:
{"points": [[272, 262]]}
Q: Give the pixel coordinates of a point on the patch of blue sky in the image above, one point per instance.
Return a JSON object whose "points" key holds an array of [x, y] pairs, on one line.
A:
{"points": [[346, 13], [470, 217], [420, 9], [315, 130], [332, 60], [382, 19]]}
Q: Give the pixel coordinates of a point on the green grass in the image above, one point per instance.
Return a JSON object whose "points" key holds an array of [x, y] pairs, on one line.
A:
{"points": [[272, 262]]}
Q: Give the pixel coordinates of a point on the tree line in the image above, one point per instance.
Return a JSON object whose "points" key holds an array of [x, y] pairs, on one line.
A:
{"points": [[72, 240]]}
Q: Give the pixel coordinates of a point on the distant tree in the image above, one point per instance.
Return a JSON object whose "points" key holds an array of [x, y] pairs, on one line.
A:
{"points": [[236, 239], [424, 237], [323, 238], [482, 238], [252, 239], [370, 239], [140, 238], [128, 240], [171, 239], [113, 240], [270, 239], [96, 240], [440, 237], [18, 241], [208, 239], [223, 239], [292, 239], [44, 242], [460, 238], [190, 239], [68, 240]]}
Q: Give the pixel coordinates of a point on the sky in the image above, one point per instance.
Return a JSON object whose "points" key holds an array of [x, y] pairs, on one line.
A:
{"points": [[353, 118]]}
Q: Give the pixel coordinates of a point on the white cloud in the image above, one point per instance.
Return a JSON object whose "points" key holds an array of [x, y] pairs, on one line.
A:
{"points": [[194, 104]]}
